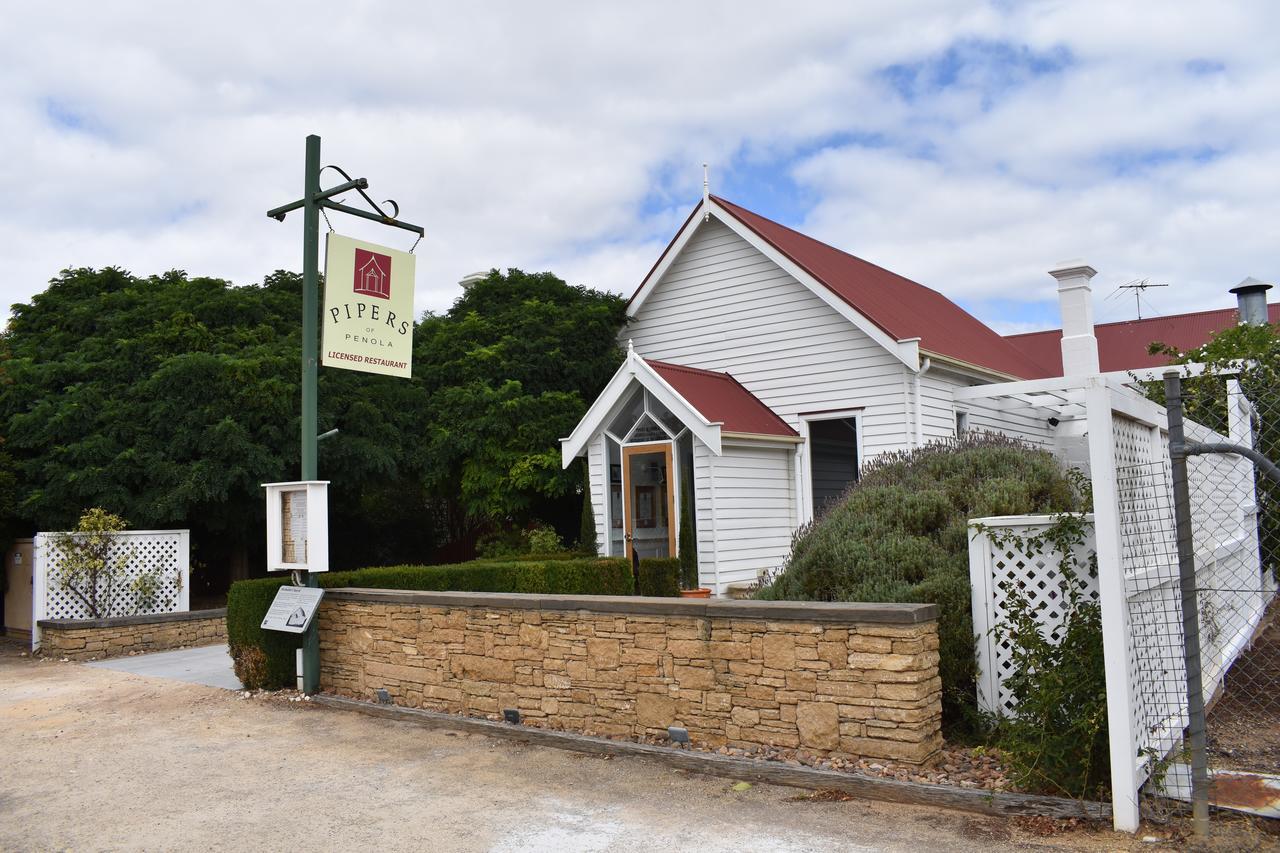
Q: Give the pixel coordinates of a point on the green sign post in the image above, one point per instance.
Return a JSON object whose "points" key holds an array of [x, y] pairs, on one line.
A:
{"points": [[313, 199]]}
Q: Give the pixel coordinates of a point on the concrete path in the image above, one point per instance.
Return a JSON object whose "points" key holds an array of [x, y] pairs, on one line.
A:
{"points": [[100, 759], [208, 665]]}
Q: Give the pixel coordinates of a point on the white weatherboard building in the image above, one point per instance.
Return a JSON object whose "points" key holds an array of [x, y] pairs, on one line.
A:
{"points": [[764, 368]]}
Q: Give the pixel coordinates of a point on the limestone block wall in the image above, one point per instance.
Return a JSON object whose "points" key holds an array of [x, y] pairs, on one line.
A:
{"points": [[81, 639], [857, 680]]}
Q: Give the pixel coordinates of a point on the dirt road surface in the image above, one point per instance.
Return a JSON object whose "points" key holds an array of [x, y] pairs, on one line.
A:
{"points": [[105, 760]]}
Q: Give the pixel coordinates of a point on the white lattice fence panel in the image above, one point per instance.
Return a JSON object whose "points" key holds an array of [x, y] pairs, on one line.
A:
{"points": [[166, 552], [997, 569]]}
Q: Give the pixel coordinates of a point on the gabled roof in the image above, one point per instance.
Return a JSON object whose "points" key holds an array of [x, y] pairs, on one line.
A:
{"points": [[721, 398], [707, 403], [898, 308], [1123, 345]]}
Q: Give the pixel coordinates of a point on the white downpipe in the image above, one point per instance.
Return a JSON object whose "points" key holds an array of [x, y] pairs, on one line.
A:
{"points": [[924, 368]]}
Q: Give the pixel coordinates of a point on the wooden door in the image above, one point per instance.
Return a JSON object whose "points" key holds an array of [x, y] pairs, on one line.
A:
{"points": [[648, 488]]}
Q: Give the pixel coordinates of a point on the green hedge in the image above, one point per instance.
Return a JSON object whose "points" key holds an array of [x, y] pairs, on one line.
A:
{"points": [[659, 576], [272, 665]]}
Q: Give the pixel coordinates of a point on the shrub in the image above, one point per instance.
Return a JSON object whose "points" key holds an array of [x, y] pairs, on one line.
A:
{"points": [[659, 576], [588, 540], [250, 666], [543, 540], [247, 601], [688, 542], [901, 534]]}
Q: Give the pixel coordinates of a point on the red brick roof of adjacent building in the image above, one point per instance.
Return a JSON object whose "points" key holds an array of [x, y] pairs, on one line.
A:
{"points": [[899, 306], [1123, 346], [722, 399]]}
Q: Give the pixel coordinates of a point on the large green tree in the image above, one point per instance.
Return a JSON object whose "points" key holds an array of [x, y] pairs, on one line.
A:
{"points": [[508, 371]]}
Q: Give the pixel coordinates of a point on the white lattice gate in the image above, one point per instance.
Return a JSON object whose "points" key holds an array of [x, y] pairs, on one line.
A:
{"points": [[995, 568], [168, 551]]}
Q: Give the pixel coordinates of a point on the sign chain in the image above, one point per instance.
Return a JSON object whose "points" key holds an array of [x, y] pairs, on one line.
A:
{"points": [[415, 244], [330, 224]]}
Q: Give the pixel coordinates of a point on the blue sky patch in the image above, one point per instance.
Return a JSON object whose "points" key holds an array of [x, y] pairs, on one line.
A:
{"points": [[61, 115], [1126, 163], [1204, 67], [991, 68]]}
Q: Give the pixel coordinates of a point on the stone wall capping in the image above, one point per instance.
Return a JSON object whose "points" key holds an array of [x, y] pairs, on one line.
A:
{"points": [[805, 611], [141, 619], [824, 611]]}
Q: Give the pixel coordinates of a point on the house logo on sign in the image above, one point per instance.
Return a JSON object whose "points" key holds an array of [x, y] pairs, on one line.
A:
{"points": [[373, 274]]}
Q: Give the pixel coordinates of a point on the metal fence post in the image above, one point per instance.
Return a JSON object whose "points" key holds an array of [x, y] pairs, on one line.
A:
{"points": [[1190, 606]]}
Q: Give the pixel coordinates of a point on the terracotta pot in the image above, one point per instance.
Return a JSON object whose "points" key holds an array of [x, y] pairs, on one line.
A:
{"points": [[700, 592]]}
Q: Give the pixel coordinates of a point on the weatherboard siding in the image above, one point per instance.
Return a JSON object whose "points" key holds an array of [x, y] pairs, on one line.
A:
{"points": [[599, 484], [722, 305], [704, 508], [754, 505]]}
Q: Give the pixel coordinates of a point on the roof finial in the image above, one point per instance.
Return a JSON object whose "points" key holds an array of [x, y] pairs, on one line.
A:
{"points": [[706, 194], [630, 348]]}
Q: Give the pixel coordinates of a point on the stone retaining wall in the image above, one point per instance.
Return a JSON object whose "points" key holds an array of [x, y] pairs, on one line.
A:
{"points": [[82, 639], [858, 680]]}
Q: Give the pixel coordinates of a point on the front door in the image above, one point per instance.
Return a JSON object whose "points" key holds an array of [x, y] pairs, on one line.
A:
{"points": [[650, 511]]}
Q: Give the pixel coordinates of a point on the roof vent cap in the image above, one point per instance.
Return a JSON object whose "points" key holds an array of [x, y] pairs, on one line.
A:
{"points": [[1251, 301]]}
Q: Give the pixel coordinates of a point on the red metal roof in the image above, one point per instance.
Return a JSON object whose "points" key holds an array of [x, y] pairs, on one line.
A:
{"points": [[722, 399], [1123, 346], [901, 307]]}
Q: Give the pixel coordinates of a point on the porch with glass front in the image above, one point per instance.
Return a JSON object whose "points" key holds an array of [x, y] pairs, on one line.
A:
{"points": [[661, 436]]}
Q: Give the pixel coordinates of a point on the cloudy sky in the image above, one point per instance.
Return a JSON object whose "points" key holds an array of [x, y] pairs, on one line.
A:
{"points": [[967, 146]]}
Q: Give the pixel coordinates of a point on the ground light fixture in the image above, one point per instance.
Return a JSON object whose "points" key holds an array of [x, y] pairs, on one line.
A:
{"points": [[511, 715], [384, 698], [678, 734]]}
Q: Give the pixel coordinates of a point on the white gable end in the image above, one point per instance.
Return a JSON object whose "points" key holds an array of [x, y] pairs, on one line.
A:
{"points": [[721, 304]]}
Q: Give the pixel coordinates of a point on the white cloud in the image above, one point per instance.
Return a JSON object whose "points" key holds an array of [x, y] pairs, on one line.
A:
{"points": [[569, 137]]}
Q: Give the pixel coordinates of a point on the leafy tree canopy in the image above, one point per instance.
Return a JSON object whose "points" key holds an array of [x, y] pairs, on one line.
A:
{"points": [[170, 399], [508, 371]]}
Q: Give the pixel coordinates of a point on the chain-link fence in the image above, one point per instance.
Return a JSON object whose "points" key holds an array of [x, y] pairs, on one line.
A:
{"points": [[1219, 568]]}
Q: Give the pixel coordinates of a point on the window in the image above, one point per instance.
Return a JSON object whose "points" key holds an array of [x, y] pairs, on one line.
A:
{"points": [[962, 422], [833, 459]]}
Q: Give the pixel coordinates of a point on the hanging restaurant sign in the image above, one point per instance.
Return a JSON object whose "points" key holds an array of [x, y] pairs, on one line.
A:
{"points": [[368, 307]]}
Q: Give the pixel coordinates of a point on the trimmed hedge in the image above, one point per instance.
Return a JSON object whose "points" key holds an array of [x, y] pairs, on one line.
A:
{"points": [[247, 601], [659, 576]]}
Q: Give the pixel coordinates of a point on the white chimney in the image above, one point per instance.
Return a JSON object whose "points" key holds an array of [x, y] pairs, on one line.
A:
{"points": [[472, 278], [1075, 301]]}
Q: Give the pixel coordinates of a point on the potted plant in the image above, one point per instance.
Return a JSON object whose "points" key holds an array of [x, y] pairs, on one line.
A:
{"points": [[687, 549]]}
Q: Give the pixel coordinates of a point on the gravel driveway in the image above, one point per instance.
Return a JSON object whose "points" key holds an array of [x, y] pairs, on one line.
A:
{"points": [[101, 759]]}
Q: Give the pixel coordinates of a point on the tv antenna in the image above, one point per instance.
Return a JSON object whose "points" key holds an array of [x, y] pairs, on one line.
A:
{"points": [[1137, 286]]}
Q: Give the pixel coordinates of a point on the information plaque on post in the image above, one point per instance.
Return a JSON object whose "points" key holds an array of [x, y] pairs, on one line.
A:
{"points": [[293, 609], [298, 526]]}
